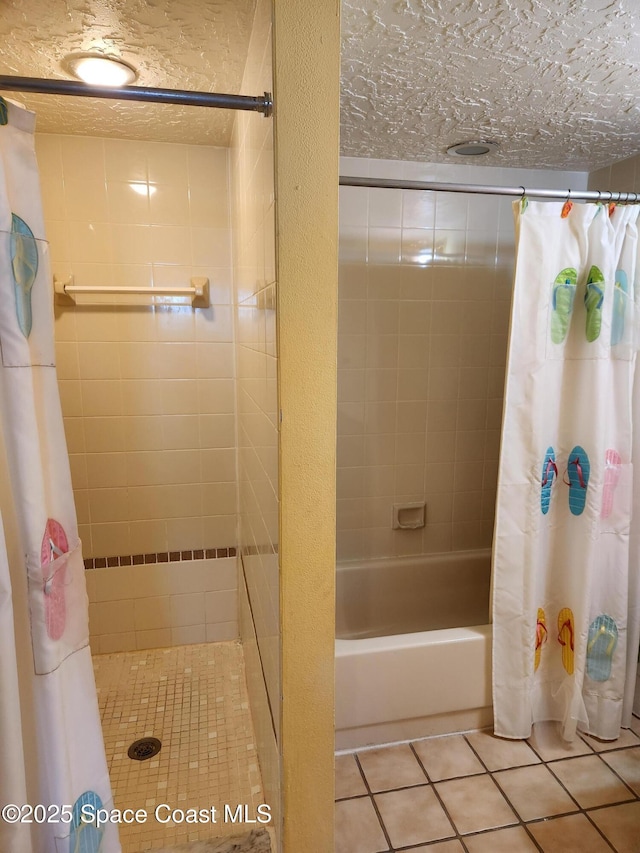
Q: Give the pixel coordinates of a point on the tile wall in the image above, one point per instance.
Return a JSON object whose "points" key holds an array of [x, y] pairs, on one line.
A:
{"points": [[425, 288], [623, 176], [253, 207], [150, 606], [147, 391]]}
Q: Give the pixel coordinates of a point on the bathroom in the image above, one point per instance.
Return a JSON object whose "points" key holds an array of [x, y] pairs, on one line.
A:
{"points": [[289, 503]]}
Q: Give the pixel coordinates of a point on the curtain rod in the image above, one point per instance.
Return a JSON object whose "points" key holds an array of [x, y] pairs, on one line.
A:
{"points": [[488, 189], [262, 104]]}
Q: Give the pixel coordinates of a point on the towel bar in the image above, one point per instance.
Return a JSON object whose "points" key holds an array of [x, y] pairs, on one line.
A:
{"points": [[65, 291]]}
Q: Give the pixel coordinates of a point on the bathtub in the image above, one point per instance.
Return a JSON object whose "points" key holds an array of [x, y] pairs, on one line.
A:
{"points": [[413, 647]]}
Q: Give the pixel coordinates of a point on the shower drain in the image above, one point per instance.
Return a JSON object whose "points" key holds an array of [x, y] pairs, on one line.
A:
{"points": [[144, 748]]}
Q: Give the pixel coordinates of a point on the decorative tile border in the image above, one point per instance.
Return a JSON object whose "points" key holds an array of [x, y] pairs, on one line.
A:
{"points": [[164, 557]]}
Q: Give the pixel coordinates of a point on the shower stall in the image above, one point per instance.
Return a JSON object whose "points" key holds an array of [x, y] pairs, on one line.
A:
{"points": [[424, 300], [164, 420]]}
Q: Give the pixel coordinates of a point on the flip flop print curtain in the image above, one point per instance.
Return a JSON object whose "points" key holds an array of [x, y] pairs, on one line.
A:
{"points": [[51, 748], [566, 582]]}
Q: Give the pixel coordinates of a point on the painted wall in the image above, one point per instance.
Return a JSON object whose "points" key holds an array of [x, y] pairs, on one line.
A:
{"points": [[307, 91], [425, 289], [148, 391], [253, 208]]}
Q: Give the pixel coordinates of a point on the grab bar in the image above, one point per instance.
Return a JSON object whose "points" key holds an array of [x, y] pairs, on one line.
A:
{"points": [[65, 291]]}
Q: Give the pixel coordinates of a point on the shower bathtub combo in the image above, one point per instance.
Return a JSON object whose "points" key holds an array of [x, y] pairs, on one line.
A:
{"points": [[413, 647]]}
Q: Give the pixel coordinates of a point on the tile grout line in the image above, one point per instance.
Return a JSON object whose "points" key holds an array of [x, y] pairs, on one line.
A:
{"points": [[511, 806], [374, 804], [440, 800]]}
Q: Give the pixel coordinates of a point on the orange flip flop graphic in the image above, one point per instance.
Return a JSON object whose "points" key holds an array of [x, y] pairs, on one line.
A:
{"points": [[565, 638], [541, 637]]}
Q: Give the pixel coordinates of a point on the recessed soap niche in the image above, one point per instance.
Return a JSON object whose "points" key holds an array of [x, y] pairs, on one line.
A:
{"points": [[409, 516]]}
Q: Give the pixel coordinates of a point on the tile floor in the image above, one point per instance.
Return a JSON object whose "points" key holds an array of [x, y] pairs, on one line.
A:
{"points": [[481, 794], [194, 699]]}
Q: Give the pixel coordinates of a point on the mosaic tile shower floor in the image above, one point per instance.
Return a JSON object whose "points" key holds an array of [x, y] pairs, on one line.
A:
{"points": [[194, 700]]}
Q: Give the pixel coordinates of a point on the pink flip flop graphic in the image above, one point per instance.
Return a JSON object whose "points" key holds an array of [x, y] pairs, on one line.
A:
{"points": [[612, 463], [54, 546]]}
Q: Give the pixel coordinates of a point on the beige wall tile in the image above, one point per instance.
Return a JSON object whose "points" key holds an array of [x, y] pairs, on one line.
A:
{"points": [[154, 639], [188, 609], [152, 613], [188, 634], [113, 617]]}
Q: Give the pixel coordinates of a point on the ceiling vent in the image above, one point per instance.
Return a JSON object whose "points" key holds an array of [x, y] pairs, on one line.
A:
{"points": [[473, 148]]}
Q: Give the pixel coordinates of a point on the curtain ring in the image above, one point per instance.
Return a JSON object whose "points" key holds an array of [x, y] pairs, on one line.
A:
{"points": [[568, 194], [524, 192]]}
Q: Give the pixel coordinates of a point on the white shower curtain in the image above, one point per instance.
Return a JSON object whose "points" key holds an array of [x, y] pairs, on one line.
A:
{"points": [[53, 770], [566, 571]]}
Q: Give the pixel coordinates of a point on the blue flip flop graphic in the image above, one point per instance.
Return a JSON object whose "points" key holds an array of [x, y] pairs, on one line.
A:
{"points": [[86, 836], [24, 263], [601, 644], [578, 470], [620, 291], [549, 471]]}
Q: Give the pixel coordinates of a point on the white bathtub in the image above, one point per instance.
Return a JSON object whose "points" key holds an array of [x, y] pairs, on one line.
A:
{"points": [[400, 673]]}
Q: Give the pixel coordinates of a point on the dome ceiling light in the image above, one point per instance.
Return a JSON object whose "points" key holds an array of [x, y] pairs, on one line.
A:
{"points": [[99, 70]]}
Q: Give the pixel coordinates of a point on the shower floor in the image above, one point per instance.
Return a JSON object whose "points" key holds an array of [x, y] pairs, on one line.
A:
{"points": [[194, 700]]}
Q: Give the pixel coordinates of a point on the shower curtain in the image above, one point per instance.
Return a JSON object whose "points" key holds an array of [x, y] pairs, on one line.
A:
{"points": [[566, 582], [53, 772]]}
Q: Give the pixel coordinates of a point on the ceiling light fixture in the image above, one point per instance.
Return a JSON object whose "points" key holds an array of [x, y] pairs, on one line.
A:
{"points": [[99, 70], [474, 148]]}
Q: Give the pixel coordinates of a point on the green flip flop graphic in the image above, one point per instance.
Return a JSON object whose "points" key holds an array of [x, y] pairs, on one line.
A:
{"points": [[563, 294], [24, 262], [593, 299]]}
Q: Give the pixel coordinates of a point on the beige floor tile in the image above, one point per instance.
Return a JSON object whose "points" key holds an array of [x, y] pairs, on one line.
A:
{"points": [[475, 804], [447, 757], [358, 829], [571, 834], [534, 792], [502, 841], [441, 847], [349, 781], [620, 824], [194, 699], [590, 782], [498, 753], [391, 767], [413, 816], [626, 763], [548, 743], [635, 725], [627, 738]]}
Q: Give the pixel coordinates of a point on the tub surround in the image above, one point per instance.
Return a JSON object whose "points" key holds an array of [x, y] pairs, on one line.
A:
{"points": [[424, 289]]}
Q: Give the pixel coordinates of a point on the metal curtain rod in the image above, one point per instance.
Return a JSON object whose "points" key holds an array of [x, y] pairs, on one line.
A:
{"points": [[487, 189], [262, 105]]}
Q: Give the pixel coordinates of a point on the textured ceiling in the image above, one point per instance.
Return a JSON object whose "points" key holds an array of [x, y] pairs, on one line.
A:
{"points": [[555, 82], [175, 44]]}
